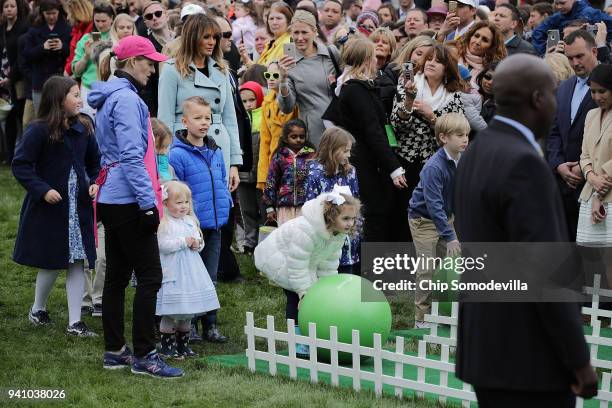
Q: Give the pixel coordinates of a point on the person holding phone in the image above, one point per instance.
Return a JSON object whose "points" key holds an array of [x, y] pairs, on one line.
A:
{"points": [[83, 64], [461, 16], [594, 220], [47, 47], [307, 72]]}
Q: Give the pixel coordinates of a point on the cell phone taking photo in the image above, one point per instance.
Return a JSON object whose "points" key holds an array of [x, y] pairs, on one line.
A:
{"points": [[290, 50], [408, 69], [553, 39]]}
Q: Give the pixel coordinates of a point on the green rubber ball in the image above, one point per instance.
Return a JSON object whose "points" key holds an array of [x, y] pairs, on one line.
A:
{"points": [[337, 301]]}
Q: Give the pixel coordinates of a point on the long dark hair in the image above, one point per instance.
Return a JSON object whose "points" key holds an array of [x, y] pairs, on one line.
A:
{"points": [[22, 10], [51, 110]]}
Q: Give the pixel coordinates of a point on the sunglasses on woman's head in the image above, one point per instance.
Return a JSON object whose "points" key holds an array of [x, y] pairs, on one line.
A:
{"points": [[149, 16], [345, 37], [271, 75]]}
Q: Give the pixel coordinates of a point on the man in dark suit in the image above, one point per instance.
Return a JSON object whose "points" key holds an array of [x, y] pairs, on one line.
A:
{"points": [[507, 18], [517, 354], [565, 140]]}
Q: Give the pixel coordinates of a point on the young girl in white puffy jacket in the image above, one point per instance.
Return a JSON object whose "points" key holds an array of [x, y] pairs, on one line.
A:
{"points": [[308, 247]]}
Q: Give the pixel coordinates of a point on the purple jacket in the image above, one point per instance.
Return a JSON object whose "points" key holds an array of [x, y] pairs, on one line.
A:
{"points": [[286, 183]]}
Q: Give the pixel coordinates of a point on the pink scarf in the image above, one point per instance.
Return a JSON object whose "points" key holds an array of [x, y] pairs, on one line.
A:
{"points": [[476, 66]]}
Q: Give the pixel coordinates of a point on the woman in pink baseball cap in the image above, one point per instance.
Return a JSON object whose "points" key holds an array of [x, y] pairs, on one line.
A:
{"points": [[127, 205]]}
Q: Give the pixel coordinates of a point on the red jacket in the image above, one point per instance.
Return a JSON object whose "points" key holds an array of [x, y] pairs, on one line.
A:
{"points": [[78, 31]]}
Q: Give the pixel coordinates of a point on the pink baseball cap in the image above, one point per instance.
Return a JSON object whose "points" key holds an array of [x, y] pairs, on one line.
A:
{"points": [[137, 46]]}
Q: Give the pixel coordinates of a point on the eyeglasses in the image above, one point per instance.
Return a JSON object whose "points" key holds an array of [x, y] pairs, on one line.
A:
{"points": [[149, 16], [226, 34], [271, 75], [368, 28], [342, 40]]}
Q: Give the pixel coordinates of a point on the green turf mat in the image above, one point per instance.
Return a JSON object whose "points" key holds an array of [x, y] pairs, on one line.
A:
{"points": [[432, 376]]}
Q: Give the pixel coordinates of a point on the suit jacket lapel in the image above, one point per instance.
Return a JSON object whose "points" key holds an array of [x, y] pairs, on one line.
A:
{"points": [[566, 99], [585, 106]]}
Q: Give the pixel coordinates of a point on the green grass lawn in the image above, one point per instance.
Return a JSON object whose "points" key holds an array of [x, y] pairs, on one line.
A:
{"points": [[46, 358]]}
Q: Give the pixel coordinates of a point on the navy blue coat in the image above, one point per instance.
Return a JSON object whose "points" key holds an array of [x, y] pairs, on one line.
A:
{"points": [[44, 63], [564, 143], [39, 166]]}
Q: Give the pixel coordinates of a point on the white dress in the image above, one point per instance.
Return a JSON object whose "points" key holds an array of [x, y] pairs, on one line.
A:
{"points": [[186, 289]]}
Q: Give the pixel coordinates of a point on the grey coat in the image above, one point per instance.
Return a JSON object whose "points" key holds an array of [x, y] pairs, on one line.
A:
{"points": [[310, 89]]}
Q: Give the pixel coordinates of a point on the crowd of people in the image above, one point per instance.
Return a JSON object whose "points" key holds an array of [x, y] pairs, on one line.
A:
{"points": [[338, 122]]}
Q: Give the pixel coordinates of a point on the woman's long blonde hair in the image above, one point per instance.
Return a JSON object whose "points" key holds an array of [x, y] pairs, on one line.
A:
{"points": [[404, 53], [357, 55], [174, 188], [114, 36], [195, 28]]}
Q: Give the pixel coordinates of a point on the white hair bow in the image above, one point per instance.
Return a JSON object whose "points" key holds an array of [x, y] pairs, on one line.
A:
{"points": [[335, 195], [164, 189]]}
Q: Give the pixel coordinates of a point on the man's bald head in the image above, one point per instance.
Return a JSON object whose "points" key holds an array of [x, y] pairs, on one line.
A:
{"points": [[524, 87]]}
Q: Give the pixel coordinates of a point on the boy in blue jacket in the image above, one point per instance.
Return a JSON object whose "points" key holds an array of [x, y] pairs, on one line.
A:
{"points": [[198, 161], [430, 211]]}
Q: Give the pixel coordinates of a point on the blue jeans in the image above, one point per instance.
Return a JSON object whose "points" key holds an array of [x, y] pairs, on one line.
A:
{"points": [[210, 256]]}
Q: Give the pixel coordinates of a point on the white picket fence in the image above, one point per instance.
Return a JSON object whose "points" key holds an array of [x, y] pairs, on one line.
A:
{"points": [[421, 361], [335, 370]]}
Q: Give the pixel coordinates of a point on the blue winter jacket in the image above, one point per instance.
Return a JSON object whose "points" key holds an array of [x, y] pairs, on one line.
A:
{"points": [[558, 21], [122, 126], [203, 169]]}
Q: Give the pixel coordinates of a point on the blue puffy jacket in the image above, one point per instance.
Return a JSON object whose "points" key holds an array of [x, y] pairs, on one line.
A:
{"points": [[203, 169], [558, 21], [122, 130]]}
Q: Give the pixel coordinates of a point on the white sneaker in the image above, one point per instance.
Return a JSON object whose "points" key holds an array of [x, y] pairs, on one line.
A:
{"points": [[421, 324]]}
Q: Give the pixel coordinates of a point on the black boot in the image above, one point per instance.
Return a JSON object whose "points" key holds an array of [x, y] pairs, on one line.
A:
{"points": [[213, 335], [194, 335], [168, 346], [182, 345]]}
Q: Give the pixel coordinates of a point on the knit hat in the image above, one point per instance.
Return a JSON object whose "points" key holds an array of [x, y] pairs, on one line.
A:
{"points": [[306, 17], [368, 15], [602, 75], [256, 89]]}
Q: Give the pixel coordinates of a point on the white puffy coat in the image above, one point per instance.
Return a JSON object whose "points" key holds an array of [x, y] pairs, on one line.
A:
{"points": [[301, 250]]}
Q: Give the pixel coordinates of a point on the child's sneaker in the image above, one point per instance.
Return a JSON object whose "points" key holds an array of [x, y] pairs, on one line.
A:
{"points": [[168, 346], [421, 324], [153, 365], [301, 350], [213, 335], [80, 329], [40, 318], [97, 311], [182, 345], [115, 361]]}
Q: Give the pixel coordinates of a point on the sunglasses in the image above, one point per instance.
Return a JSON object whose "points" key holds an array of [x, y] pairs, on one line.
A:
{"points": [[149, 16], [366, 27], [226, 34], [342, 40], [271, 75], [488, 77]]}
